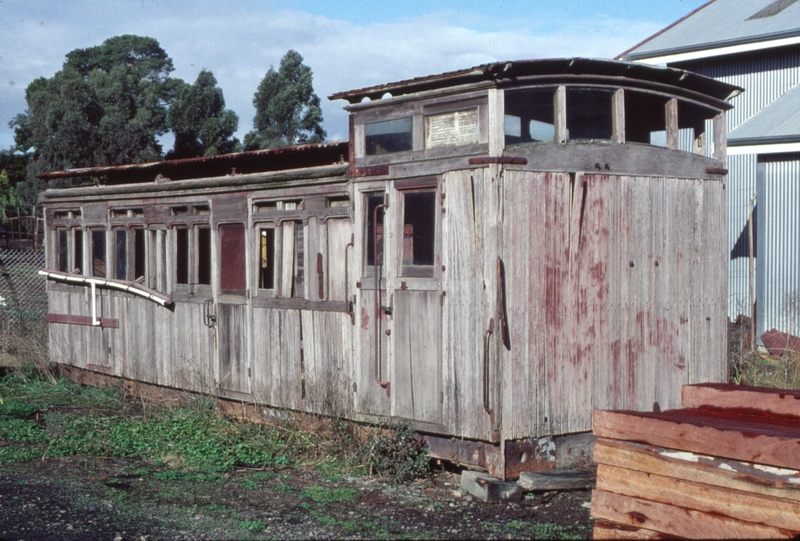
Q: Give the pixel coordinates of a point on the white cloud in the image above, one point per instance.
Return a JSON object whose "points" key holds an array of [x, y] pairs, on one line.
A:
{"points": [[239, 41]]}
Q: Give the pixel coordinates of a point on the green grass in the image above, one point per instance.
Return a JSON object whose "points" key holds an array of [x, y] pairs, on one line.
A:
{"points": [[320, 494], [252, 525], [76, 420]]}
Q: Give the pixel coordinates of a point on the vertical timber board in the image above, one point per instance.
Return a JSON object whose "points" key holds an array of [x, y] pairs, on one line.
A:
{"points": [[696, 314], [492, 218], [591, 301], [315, 244], [339, 232], [290, 357], [371, 398], [462, 327], [261, 358], [417, 378], [640, 252], [713, 356], [521, 281], [233, 370], [163, 336], [620, 346], [561, 230]]}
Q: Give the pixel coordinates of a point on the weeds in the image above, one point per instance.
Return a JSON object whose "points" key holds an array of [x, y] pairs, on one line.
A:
{"points": [[321, 494], [252, 525], [398, 453], [751, 368]]}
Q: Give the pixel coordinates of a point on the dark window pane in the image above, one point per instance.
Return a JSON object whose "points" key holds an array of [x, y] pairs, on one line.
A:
{"points": [[63, 251], [645, 118], [204, 255], [419, 228], [232, 258], [589, 113], [372, 202], [139, 254], [78, 249], [121, 254], [530, 115], [266, 257], [182, 255], [99, 253], [387, 137]]}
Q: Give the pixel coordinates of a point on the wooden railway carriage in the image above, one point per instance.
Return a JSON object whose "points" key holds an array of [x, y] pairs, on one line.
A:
{"points": [[495, 253]]}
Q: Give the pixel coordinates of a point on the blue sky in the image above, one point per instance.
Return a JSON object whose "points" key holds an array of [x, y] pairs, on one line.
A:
{"points": [[347, 45]]}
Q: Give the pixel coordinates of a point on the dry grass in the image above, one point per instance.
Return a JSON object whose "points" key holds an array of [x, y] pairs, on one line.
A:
{"points": [[763, 370], [24, 347]]}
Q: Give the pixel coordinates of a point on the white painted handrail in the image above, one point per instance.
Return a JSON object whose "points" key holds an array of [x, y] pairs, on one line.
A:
{"points": [[121, 285]]}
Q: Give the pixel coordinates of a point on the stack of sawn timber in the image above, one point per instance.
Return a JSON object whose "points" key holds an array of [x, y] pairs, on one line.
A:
{"points": [[727, 465]]}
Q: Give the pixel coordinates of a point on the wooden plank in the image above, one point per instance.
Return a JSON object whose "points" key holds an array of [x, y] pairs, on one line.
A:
{"points": [[710, 470], [678, 521], [726, 502], [751, 400], [671, 114], [287, 268], [765, 441], [70, 319], [556, 480], [490, 489], [611, 530]]}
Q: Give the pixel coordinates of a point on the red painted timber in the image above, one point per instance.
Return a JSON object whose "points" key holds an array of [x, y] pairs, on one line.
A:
{"points": [[769, 440]]}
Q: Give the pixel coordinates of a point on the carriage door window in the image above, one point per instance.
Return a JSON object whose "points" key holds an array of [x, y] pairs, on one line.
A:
{"points": [[266, 258], [99, 253], [374, 238], [63, 251], [77, 247], [121, 254], [419, 233], [232, 259]]}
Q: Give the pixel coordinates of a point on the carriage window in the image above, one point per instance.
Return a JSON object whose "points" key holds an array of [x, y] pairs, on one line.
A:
{"points": [[529, 116], [99, 253], [266, 258], [419, 228], [389, 136], [121, 254], [204, 255], [374, 231], [77, 247], [63, 251], [181, 255], [589, 113], [139, 253], [232, 258], [645, 118]]}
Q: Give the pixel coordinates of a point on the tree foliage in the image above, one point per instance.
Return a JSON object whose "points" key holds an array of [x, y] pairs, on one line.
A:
{"points": [[287, 109], [106, 106], [200, 122]]}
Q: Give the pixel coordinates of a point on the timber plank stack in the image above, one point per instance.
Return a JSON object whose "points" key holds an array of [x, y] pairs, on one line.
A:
{"points": [[727, 465]]}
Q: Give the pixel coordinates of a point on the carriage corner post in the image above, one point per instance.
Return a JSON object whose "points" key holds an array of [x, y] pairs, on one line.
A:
{"points": [[312, 284]]}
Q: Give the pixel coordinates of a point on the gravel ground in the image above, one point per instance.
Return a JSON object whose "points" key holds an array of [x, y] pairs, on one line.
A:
{"points": [[96, 498]]}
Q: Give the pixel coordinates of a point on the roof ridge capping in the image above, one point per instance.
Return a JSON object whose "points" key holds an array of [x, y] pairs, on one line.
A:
{"points": [[496, 73]]}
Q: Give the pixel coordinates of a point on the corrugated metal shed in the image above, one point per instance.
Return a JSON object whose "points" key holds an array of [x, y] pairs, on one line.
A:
{"points": [[779, 122], [733, 22]]}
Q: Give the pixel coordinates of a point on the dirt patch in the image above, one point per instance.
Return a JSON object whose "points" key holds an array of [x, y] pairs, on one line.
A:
{"points": [[103, 498]]}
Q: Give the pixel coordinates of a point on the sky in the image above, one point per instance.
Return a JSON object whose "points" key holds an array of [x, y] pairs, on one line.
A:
{"points": [[347, 45]]}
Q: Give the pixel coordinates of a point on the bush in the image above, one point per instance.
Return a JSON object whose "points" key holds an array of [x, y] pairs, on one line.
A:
{"points": [[396, 452]]}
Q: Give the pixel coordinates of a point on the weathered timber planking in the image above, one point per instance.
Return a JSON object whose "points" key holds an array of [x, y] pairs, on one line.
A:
{"points": [[726, 502], [678, 521], [339, 234], [287, 267], [611, 530], [416, 381], [371, 397], [715, 471], [556, 480], [751, 400], [765, 441]]}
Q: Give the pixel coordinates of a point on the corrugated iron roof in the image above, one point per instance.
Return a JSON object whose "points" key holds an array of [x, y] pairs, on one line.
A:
{"points": [[721, 23], [499, 73], [779, 122], [272, 159]]}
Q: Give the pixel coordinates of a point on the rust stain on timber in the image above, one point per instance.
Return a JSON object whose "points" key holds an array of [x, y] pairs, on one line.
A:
{"points": [[364, 319]]}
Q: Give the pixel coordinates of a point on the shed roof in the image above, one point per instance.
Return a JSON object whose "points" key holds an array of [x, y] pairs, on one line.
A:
{"points": [[722, 23], [499, 73], [779, 122]]}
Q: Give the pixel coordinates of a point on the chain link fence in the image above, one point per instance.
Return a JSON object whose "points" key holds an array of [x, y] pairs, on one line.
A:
{"points": [[23, 294]]}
